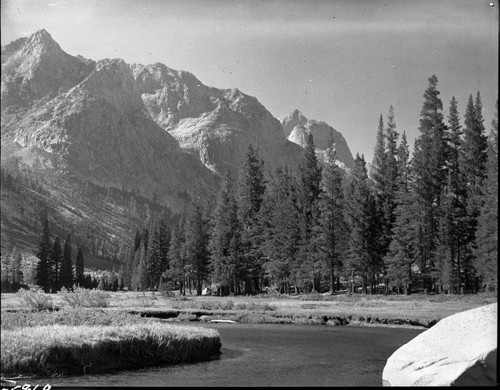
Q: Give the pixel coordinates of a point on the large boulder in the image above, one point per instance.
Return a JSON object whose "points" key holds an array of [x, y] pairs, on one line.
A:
{"points": [[460, 350]]}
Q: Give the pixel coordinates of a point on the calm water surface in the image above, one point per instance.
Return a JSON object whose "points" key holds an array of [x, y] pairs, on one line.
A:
{"points": [[274, 355]]}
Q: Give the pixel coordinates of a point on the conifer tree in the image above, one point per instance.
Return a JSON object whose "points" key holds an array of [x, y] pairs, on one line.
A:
{"points": [[364, 250], [453, 218], [390, 177], [333, 228], [137, 240], [401, 256], [473, 166], [429, 168], [44, 254], [165, 234], [309, 191], [486, 250], [176, 272], [251, 188], [280, 218], [139, 274], [66, 277], [223, 261], [378, 164], [79, 268], [154, 260], [196, 245], [55, 265]]}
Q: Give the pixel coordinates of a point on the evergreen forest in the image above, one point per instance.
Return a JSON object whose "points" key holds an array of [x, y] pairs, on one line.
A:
{"points": [[421, 220]]}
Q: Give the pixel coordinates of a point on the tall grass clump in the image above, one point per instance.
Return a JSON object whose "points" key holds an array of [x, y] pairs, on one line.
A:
{"points": [[61, 349], [73, 316], [145, 301], [217, 305], [35, 299], [255, 306], [81, 297]]}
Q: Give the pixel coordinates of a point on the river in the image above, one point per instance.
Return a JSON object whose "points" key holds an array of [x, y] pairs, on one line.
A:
{"points": [[274, 355]]}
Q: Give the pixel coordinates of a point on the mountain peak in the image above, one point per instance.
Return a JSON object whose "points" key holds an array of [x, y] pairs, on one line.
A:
{"points": [[43, 38], [35, 67]]}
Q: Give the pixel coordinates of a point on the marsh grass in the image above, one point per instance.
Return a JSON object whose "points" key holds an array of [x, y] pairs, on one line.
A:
{"points": [[255, 306], [146, 301], [74, 317], [81, 297], [61, 349], [35, 299], [223, 304]]}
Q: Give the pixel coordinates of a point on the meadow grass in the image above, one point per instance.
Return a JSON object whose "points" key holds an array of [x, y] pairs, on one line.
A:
{"points": [[64, 349], [75, 317], [420, 308]]}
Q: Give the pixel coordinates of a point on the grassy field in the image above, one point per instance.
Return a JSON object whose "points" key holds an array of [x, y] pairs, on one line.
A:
{"points": [[65, 349], [94, 331], [358, 307], [92, 340]]}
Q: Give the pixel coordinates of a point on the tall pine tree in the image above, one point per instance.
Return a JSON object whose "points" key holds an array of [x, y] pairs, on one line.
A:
{"points": [[197, 236], [333, 229], [251, 190], [55, 265], [223, 261], [176, 273], [486, 250], [66, 276], [281, 226], [79, 268], [401, 256], [473, 166], [309, 191], [429, 168]]}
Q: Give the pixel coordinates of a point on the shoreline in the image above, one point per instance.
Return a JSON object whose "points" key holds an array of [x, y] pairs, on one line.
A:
{"points": [[179, 316], [125, 308]]}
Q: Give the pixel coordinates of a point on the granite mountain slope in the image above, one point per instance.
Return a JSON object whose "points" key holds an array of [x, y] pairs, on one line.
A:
{"points": [[72, 124], [217, 125], [103, 144], [296, 126]]}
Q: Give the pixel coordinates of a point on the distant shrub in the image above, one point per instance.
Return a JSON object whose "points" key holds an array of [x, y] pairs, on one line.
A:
{"points": [[185, 304], [35, 299], [255, 306], [166, 293], [146, 301], [217, 305], [82, 297], [226, 305]]}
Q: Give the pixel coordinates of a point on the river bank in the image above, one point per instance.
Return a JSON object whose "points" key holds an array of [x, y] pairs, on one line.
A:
{"points": [[343, 309], [74, 341], [150, 309]]}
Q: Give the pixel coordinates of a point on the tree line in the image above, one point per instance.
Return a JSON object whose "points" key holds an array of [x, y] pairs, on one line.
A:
{"points": [[425, 221], [420, 222], [55, 269]]}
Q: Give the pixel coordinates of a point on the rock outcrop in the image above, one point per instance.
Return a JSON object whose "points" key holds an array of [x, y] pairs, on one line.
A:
{"points": [[460, 350], [296, 127]]}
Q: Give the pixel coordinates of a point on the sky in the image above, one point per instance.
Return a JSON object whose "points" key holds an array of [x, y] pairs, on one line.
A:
{"points": [[344, 62]]}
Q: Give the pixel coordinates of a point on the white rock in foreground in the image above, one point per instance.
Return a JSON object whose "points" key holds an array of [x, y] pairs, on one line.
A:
{"points": [[459, 350]]}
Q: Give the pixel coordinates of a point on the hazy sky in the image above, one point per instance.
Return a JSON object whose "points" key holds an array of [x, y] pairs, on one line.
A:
{"points": [[344, 62]]}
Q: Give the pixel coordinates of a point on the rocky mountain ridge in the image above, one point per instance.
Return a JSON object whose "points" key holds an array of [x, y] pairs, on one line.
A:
{"points": [[126, 130], [296, 127]]}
